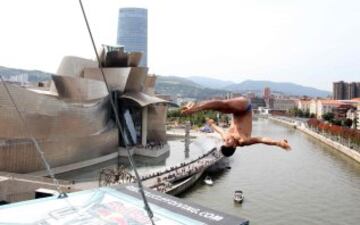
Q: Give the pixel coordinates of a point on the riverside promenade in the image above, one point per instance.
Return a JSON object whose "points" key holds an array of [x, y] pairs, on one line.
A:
{"points": [[166, 180], [177, 178], [302, 126]]}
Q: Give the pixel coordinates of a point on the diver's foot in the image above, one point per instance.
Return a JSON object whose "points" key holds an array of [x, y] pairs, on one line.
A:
{"points": [[188, 108]]}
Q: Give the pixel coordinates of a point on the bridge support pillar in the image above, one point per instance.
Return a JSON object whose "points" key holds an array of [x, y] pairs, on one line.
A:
{"points": [[144, 126]]}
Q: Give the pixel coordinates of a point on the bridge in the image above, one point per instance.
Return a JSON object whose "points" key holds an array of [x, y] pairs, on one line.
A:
{"points": [[176, 179], [172, 180]]}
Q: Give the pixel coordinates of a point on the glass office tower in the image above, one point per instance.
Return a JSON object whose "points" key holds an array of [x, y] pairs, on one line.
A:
{"points": [[132, 31]]}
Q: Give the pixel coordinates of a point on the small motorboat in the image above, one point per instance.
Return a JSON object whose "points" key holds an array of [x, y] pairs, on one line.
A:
{"points": [[208, 181], [238, 196]]}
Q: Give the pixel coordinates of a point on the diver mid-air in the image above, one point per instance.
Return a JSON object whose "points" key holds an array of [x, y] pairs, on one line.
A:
{"points": [[239, 132]]}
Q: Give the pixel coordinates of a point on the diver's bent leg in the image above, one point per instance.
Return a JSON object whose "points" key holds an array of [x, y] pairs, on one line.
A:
{"points": [[235, 105], [238, 105]]}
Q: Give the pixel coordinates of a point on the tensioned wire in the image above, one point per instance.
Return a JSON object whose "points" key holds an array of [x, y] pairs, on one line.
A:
{"points": [[27, 130], [33, 140], [117, 120], [41, 152]]}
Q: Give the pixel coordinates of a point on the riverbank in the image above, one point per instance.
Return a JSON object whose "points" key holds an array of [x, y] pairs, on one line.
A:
{"points": [[303, 127]]}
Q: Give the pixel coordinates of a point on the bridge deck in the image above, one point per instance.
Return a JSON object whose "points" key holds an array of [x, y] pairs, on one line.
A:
{"points": [[160, 180]]}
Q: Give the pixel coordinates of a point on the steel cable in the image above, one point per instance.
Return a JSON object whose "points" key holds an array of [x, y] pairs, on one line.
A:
{"points": [[141, 189]]}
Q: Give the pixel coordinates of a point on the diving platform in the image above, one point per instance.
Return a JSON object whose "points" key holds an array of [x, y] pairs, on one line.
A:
{"points": [[117, 205]]}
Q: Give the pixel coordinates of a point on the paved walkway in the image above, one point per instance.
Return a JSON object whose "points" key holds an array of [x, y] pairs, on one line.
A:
{"points": [[175, 173]]}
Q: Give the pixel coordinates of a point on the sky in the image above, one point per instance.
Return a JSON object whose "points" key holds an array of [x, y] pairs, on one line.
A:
{"points": [[308, 42]]}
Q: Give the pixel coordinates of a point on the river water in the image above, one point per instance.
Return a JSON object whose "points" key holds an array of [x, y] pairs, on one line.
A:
{"points": [[312, 184]]}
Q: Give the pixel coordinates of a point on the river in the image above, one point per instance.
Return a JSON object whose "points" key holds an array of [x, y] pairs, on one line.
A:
{"points": [[312, 184]]}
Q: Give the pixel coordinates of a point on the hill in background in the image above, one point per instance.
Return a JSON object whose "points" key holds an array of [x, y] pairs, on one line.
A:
{"points": [[286, 88], [33, 75], [195, 86], [210, 82], [178, 86]]}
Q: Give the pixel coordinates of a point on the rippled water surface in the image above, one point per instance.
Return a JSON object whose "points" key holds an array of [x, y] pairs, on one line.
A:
{"points": [[312, 184]]}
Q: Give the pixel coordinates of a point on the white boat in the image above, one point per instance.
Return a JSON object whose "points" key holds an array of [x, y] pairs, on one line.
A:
{"points": [[238, 196], [208, 181]]}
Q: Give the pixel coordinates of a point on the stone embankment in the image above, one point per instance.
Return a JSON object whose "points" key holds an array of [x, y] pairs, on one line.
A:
{"points": [[303, 127]]}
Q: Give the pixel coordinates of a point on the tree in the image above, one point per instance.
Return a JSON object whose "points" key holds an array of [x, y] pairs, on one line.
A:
{"points": [[352, 135], [312, 122], [197, 119], [300, 113], [347, 122], [328, 116], [292, 111], [336, 122], [296, 112]]}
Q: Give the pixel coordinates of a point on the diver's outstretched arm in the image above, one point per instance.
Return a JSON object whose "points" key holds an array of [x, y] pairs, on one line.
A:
{"points": [[216, 128], [267, 141]]}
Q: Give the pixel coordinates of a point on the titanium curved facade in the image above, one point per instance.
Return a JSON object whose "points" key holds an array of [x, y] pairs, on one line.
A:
{"points": [[68, 131], [132, 31], [50, 116], [72, 119]]}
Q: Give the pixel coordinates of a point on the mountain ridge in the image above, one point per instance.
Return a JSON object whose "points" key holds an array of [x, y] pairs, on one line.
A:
{"points": [[198, 87], [210, 82], [287, 88]]}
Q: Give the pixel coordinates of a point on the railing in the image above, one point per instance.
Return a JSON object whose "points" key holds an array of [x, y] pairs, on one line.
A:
{"points": [[343, 141], [181, 165]]}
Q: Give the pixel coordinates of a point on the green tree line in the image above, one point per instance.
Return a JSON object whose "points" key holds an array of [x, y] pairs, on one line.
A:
{"points": [[198, 119]]}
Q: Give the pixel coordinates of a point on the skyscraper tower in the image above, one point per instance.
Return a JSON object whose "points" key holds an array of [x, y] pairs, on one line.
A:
{"points": [[267, 92], [267, 96], [352, 90], [339, 90], [344, 90], [132, 31]]}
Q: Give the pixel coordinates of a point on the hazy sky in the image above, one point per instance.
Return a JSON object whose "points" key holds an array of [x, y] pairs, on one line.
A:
{"points": [[310, 42]]}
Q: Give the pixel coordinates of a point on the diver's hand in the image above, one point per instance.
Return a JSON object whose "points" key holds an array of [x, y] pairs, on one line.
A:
{"points": [[285, 145], [210, 121]]}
